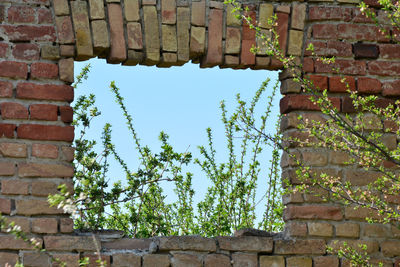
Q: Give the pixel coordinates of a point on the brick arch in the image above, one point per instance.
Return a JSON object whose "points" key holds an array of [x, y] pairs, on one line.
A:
{"points": [[41, 39]]}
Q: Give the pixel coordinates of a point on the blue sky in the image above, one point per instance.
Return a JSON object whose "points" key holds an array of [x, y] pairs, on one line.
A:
{"points": [[181, 101]]}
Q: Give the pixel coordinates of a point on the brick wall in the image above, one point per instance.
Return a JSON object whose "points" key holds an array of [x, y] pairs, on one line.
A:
{"points": [[41, 39]]}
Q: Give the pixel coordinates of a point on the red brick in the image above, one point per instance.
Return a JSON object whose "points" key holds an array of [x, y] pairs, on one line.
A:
{"points": [[71, 243], [325, 31], [11, 243], [45, 151], [45, 92], [360, 32], [308, 64], [359, 17], [46, 132], [389, 51], [21, 14], [319, 81], [44, 16], [5, 206], [65, 30], [7, 169], [44, 70], [329, 13], [44, 170], [11, 69], [66, 114], [302, 102], [13, 150], [44, 225], [30, 33], [3, 50], [118, 47], [313, 212], [352, 67], [282, 30], [2, 13], [391, 88], [368, 85], [6, 89], [331, 48], [337, 86], [384, 68], [25, 51], [7, 130], [13, 111], [45, 112], [214, 51], [14, 187]]}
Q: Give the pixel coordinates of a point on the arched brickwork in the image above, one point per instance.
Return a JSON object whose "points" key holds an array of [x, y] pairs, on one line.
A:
{"points": [[41, 39]]}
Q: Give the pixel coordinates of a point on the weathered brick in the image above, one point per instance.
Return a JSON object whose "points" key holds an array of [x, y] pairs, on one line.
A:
{"points": [[187, 243], [126, 260], [352, 67], [23, 222], [125, 243], [68, 153], [71, 243], [295, 46], [246, 243], [15, 70], [5, 206], [45, 16], [134, 33], [313, 212], [6, 168], [376, 231], [131, 10], [41, 70], [3, 50], [244, 260], [248, 41], [8, 258], [168, 11], [84, 46], [232, 40], [118, 45], [45, 92], [360, 213], [183, 28], [96, 8], [214, 47], [324, 31], [290, 86], [71, 260], [312, 246], [65, 30], [216, 260], [151, 35], [14, 150], [44, 170], [197, 41], [101, 38], [298, 16], [329, 13], [21, 14], [384, 68], [61, 7], [25, 51], [199, 17], [389, 51], [50, 52], [44, 188], [10, 242], [66, 69], [391, 88], [371, 246], [268, 261], [231, 19], [44, 225], [360, 32], [156, 260], [29, 33], [45, 151], [183, 259], [298, 261], [13, 111], [169, 40], [14, 187], [320, 229], [6, 89], [324, 261], [66, 225], [265, 14]]}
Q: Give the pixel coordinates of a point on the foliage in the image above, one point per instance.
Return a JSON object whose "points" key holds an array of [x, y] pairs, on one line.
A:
{"points": [[138, 204]]}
